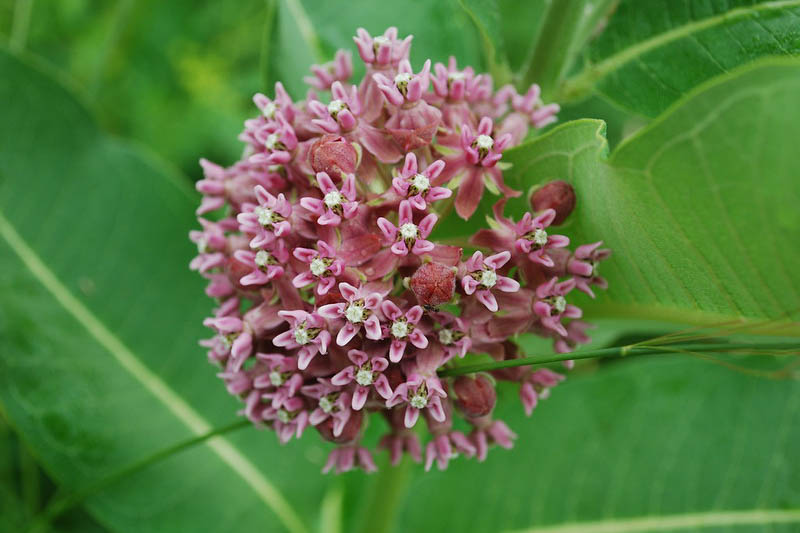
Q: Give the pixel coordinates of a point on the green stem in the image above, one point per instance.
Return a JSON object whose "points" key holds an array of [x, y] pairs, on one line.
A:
{"points": [[266, 42], [20, 25], [556, 45], [60, 504], [618, 351], [385, 498]]}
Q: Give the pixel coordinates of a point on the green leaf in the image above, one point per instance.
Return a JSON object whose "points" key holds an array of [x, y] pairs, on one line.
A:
{"points": [[440, 29], [521, 23], [99, 322], [485, 14], [649, 444], [649, 57], [700, 207]]}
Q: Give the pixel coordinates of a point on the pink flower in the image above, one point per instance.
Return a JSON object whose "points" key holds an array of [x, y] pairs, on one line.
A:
{"points": [[452, 335], [211, 244], [323, 267], [307, 332], [535, 385], [366, 372], [406, 86], [418, 393], [345, 458], [584, 267], [281, 106], [212, 186], [402, 329], [383, 50], [491, 431], [482, 277], [551, 306], [266, 263], [335, 204], [416, 186], [231, 340], [289, 420], [340, 69], [535, 241], [359, 309], [475, 163], [280, 378], [277, 140], [267, 220], [332, 403], [408, 236]]}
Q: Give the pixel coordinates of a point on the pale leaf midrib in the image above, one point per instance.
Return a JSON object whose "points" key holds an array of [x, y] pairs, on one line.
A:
{"points": [[599, 70], [691, 521], [265, 490]]}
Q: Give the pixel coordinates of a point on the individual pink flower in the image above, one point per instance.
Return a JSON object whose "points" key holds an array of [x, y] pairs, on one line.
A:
{"points": [[534, 239], [323, 267], [528, 110], [277, 140], [340, 69], [551, 306], [231, 340], [407, 236], [335, 205], [358, 309], [212, 187], [475, 163], [446, 443], [583, 267], [535, 385], [489, 431], [266, 264], [282, 105], [306, 332], [452, 335], [267, 220], [416, 186], [402, 329], [332, 403], [345, 458], [211, 244], [481, 278], [367, 372], [280, 379], [289, 420], [383, 50], [406, 86], [419, 392]]}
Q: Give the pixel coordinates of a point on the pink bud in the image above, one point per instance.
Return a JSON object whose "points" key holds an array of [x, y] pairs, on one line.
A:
{"points": [[475, 396], [334, 155], [433, 284], [558, 195]]}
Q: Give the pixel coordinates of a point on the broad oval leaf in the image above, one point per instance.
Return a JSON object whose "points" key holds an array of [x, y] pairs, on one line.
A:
{"points": [[649, 445], [647, 58], [99, 322], [699, 207]]}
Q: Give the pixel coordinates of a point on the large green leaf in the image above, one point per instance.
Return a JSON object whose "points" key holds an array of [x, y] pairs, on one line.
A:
{"points": [[649, 445], [99, 320], [649, 57], [700, 208]]}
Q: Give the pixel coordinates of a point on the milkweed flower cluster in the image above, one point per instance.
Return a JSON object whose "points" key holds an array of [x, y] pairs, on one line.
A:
{"points": [[337, 300]]}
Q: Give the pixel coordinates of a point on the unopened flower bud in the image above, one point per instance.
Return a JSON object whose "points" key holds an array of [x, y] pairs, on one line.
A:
{"points": [[475, 396], [334, 155], [433, 284], [558, 195], [350, 432]]}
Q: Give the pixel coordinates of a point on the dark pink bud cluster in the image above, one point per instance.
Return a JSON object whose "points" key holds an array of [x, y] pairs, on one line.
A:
{"points": [[335, 297]]}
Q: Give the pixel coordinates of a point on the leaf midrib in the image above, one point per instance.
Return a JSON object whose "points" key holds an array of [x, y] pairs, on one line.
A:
{"points": [[593, 73], [674, 522], [243, 467]]}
